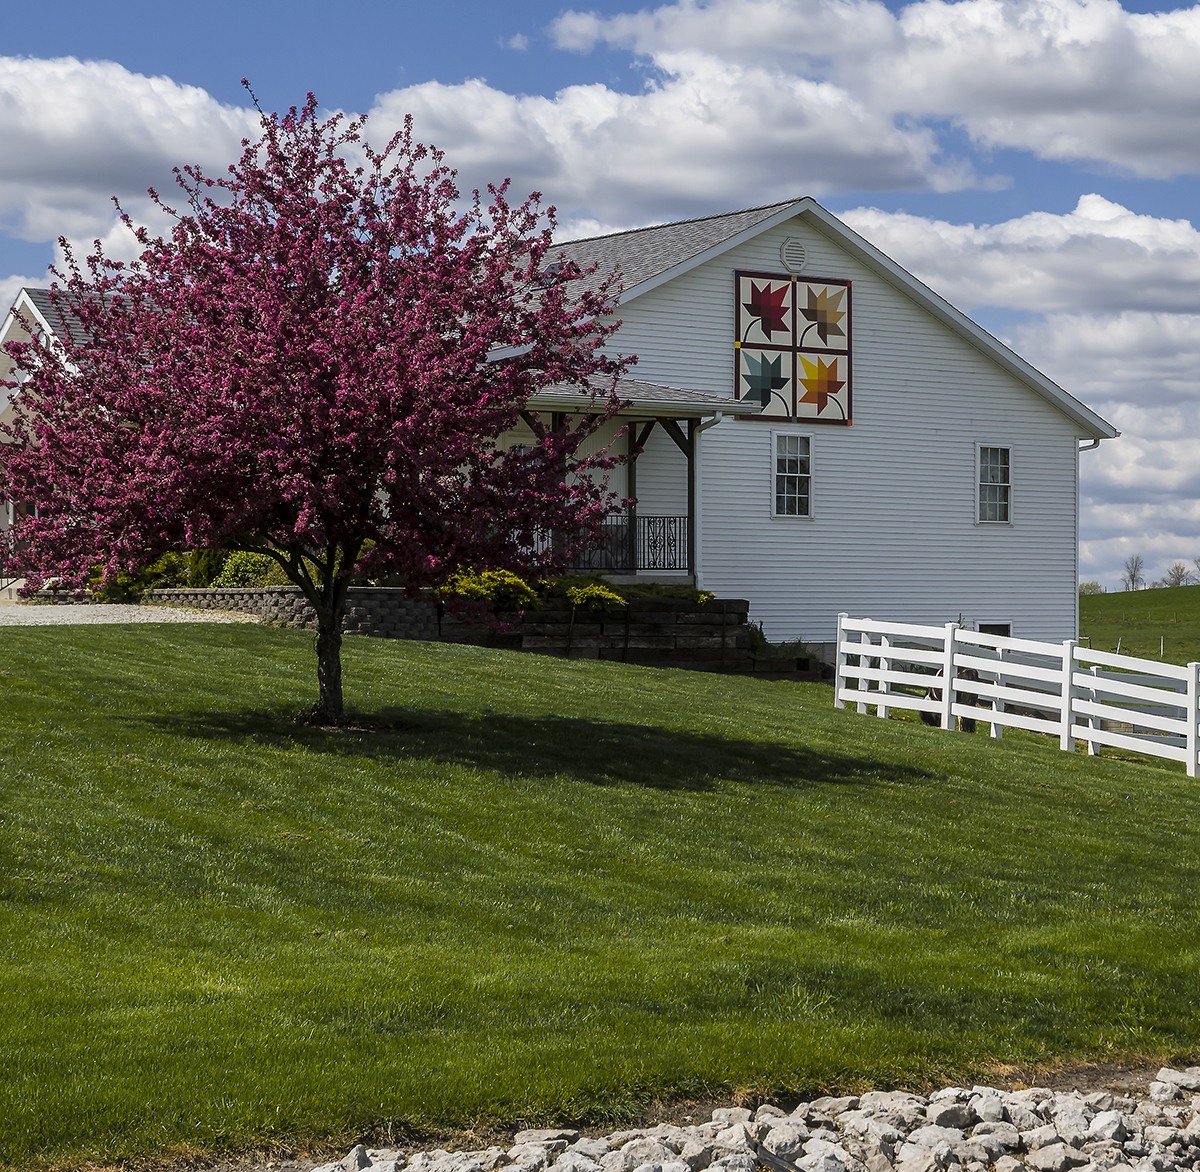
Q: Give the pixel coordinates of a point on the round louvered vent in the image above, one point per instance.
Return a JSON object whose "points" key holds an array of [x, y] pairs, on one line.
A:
{"points": [[793, 254]]}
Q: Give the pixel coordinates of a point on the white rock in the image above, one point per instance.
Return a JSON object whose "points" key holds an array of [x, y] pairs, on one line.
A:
{"points": [[1008, 1164], [1188, 1079], [1055, 1158], [1004, 1133], [576, 1162], [595, 1148], [825, 1162], [987, 1105], [1108, 1125], [532, 1157], [1041, 1137], [951, 1113], [931, 1135], [730, 1115], [1165, 1092], [787, 1139]]}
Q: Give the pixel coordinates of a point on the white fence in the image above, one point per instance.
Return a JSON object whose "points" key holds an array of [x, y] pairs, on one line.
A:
{"points": [[951, 674]]}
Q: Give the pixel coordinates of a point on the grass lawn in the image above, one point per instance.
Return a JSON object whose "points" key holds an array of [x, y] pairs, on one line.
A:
{"points": [[1146, 622], [552, 890]]}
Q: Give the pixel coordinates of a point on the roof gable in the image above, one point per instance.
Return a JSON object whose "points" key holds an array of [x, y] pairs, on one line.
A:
{"points": [[647, 258]]}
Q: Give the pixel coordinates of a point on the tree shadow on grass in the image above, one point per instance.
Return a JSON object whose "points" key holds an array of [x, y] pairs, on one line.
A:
{"points": [[598, 752]]}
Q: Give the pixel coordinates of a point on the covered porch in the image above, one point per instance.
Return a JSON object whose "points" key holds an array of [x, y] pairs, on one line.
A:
{"points": [[656, 537]]}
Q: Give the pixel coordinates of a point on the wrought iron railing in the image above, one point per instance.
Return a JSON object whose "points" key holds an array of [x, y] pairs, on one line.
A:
{"points": [[632, 544]]}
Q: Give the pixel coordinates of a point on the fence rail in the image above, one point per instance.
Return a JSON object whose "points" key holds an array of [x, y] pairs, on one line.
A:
{"points": [[950, 674]]}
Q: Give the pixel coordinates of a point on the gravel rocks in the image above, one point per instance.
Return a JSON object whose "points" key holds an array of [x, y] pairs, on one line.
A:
{"points": [[106, 613], [957, 1129]]}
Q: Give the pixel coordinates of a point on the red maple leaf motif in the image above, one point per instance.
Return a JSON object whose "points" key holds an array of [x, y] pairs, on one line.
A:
{"points": [[766, 304]]}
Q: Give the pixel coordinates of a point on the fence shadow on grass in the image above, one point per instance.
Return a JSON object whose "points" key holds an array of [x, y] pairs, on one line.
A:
{"points": [[594, 751]]}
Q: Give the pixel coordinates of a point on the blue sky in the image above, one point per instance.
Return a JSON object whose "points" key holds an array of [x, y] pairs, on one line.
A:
{"points": [[1035, 161]]}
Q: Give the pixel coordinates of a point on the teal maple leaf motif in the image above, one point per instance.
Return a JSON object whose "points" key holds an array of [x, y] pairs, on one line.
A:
{"points": [[763, 377]]}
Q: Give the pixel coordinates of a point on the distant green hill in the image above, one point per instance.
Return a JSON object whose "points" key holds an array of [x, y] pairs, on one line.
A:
{"points": [[1154, 624]]}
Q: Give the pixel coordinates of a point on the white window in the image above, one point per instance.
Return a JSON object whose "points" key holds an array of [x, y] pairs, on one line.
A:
{"points": [[994, 485], [793, 476]]}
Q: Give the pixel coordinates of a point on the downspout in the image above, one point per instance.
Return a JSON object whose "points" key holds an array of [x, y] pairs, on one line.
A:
{"points": [[1079, 448], [696, 521]]}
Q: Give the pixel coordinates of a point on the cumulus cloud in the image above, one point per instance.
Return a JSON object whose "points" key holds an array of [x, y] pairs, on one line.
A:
{"points": [[74, 133], [1140, 493], [1080, 80], [1099, 256], [702, 138]]}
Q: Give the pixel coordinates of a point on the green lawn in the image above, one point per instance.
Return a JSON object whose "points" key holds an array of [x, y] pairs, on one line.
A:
{"points": [[551, 890], [1162, 624]]}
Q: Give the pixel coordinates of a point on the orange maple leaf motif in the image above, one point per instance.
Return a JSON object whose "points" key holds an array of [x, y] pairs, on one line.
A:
{"points": [[820, 381], [767, 305], [825, 312]]}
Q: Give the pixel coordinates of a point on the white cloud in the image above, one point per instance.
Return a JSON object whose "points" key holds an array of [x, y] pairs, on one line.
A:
{"points": [[1099, 256], [11, 286], [518, 41], [1140, 493], [703, 138], [1064, 79], [75, 133]]}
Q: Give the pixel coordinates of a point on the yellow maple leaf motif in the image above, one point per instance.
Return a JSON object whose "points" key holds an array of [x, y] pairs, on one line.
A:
{"points": [[820, 381]]}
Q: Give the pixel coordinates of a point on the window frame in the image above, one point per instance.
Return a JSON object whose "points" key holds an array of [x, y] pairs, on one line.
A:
{"points": [[778, 434], [980, 520]]}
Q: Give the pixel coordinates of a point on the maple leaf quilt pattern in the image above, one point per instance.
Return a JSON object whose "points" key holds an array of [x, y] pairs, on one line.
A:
{"points": [[792, 346]]}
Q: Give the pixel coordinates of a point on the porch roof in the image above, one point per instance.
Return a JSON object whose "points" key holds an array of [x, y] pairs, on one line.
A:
{"points": [[644, 400]]}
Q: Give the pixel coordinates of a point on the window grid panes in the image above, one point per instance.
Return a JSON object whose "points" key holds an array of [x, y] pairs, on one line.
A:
{"points": [[793, 479], [995, 485]]}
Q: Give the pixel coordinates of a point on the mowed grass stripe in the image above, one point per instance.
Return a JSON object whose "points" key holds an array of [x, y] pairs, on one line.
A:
{"points": [[546, 890]]}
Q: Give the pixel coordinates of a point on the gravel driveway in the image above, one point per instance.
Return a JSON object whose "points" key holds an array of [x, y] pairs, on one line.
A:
{"points": [[24, 614]]}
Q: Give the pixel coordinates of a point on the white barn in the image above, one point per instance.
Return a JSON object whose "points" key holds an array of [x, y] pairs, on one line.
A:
{"points": [[819, 432]]}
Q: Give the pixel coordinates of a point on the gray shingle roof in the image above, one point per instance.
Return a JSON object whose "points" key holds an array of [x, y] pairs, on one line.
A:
{"points": [[55, 318], [651, 398], [643, 253]]}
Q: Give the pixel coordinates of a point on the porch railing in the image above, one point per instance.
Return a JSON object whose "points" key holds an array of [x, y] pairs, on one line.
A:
{"points": [[643, 542]]}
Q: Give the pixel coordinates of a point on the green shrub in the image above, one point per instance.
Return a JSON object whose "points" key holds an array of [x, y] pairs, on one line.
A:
{"points": [[167, 571], [502, 589], [243, 570], [204, 566], [595, 594]]}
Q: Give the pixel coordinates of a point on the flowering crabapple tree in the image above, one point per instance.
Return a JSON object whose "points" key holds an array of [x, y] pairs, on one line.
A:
{"points": [[306, 366]]}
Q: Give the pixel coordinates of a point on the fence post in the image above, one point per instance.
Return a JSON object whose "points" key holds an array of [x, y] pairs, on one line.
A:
{"points": [[948, 678], [1066, 740], [885, 665], [863, 685], [1193, 716], [839, 676], [1093, 747]]}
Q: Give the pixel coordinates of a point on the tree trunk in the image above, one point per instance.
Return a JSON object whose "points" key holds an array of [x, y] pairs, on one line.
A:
{"points": [[329, 708]]}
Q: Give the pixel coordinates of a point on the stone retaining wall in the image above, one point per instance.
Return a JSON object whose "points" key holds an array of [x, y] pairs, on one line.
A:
{"points": [[382, 611], [670, 632]]}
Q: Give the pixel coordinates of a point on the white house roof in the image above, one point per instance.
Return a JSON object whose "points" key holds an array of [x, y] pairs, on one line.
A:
{"points": [[646, 258]]}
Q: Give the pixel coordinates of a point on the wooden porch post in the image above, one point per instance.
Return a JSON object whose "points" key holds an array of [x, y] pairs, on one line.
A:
{"points": [[691, 498], [631, 455]]}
